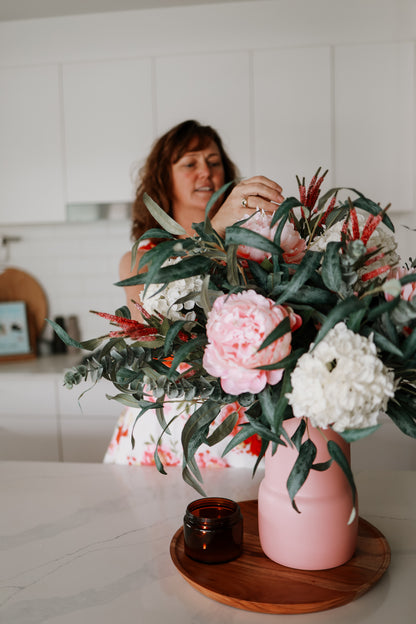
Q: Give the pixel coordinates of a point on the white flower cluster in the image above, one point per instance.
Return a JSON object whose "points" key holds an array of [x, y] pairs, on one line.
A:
{"points": [[382, 237], [165, 301], [341, 382]]}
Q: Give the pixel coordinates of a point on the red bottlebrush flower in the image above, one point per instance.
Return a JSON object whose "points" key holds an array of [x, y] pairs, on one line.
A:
{"points": [[302, 190], [129, 327], [344, 230], [374, 258], [328, 211], [371, 224], [316, 190], [145, 314], [355, 226], [372, 274], [310, 190]]}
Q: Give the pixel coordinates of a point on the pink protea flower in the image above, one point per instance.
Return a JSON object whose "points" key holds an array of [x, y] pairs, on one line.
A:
{"points": [[293, 245], [236, 327], [408, 291]]}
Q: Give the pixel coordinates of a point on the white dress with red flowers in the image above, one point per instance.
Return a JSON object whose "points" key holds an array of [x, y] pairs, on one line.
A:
{"points": [[147, 430]]}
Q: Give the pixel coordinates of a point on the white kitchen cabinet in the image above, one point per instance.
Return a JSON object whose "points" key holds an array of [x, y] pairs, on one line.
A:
{"points": [[87, 422], [85, 439], [42, 420], [31, 156], [109, 127], [374, 121], [29, 429], [292, 114], [29, 438], [213, 89]]}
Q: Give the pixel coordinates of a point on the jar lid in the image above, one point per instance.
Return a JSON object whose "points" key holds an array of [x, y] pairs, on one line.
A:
{"points": [[212, 512]]}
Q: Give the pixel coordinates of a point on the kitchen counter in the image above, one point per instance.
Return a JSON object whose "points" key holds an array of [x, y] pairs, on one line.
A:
{"points": [[47, 364], [89, 543]]}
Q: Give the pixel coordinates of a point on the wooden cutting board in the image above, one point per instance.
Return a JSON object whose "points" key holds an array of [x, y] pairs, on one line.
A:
{"points": [[17, 285]]}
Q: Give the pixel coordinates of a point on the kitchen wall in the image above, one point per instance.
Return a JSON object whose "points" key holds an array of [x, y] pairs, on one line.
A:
{"points": [[77, 263]]}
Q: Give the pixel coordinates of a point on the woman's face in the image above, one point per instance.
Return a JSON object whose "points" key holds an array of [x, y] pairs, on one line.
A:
{"points": [[195, 177]]}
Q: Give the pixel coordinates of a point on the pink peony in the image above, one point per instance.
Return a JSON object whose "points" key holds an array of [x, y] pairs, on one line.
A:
{"points": [[236, 327], [291, 242]]}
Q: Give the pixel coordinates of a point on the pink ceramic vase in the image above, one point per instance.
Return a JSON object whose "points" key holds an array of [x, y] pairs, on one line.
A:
{"points": [[319, 537]]}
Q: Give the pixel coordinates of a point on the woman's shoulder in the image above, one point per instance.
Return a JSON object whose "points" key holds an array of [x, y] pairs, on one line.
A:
{"points": [[125, 267]]}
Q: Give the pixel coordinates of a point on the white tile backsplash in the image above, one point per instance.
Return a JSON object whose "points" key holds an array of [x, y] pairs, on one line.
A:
{"points": [[76, 265]]}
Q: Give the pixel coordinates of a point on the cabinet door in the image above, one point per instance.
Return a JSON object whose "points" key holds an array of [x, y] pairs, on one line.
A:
{"points": [[28, 418], [213, 89], [292, 114], [374, 109], [31, 158], [108, 127]]}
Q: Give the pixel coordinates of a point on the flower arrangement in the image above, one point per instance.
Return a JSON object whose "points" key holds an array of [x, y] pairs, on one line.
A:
{"points": [[305, 313]]}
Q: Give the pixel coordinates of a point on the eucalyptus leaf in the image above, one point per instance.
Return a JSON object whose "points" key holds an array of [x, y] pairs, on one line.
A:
{"points": [[331, 267], [171, 335], [203, 416], [236, 235], [190, 480], [223, 430], [384, 343], [283, 210], [162, 217], [351, 435], [337, 454], [322, 466], [184, 350], [404, 417], [300, 470], [339, 313], [298, 435], [409, 346], [159, 254], [310, 262], [245, 432], [279, 331], [88, 345]]}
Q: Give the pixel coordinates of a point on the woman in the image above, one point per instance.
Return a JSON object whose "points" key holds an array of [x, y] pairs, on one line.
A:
{"points": [[183, 170]]}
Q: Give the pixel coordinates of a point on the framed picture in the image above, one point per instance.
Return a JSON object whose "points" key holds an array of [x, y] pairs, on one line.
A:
{"points": [[15, 335]]}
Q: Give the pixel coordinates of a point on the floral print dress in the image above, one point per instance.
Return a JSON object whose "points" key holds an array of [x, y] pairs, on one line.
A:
{"points": [[146, 432]]}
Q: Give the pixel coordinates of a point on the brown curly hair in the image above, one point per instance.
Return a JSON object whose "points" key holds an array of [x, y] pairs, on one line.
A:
{"points": [[155, 176]]}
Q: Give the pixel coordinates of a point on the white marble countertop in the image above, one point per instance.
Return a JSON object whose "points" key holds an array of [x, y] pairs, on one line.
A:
{"points": [[89, 543]]}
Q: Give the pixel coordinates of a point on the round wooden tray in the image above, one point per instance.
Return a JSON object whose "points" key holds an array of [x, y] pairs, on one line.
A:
{"points": [[255, 583]]}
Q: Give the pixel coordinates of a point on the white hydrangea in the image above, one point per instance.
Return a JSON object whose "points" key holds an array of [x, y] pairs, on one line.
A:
{"points": [[164, 301], [382, 237], [341, 382]]}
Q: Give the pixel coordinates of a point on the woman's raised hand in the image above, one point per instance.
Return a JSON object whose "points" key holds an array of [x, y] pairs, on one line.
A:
{"points": [[256, 193]]}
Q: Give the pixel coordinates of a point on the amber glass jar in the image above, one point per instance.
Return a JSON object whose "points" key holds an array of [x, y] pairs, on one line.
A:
{"points": [[213, 530]]}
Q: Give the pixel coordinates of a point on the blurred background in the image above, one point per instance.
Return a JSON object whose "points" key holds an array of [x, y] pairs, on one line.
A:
{"points": [[86, 87]]}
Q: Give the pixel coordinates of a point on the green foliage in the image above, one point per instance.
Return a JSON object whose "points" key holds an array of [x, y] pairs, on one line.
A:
{"points": [[324, 288]]}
